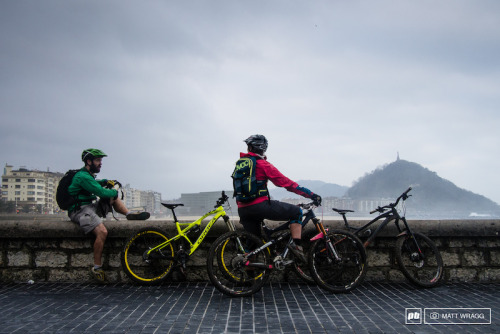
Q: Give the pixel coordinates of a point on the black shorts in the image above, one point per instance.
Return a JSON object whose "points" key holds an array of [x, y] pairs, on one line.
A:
{"points": [[251, 216]]}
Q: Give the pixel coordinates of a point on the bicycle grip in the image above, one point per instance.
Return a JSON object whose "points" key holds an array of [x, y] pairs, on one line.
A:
{"points": [[372, 212]]}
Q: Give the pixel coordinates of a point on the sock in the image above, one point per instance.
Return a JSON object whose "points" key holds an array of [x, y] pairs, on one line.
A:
{"points": [[298, 242]]}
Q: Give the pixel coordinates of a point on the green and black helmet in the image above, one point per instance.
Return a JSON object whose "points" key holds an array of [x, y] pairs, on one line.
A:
{"points": [[92, 153]]}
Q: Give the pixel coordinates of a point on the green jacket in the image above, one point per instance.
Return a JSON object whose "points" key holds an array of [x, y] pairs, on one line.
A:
{"points": [[86, 189]]}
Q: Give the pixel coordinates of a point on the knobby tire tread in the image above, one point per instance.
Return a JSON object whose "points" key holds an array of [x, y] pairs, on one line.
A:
{"points": [[409, 267], [134, 265], [225, 266], [332, 275]]}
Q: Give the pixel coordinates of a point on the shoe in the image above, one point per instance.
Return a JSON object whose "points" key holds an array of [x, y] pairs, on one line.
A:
{"points": [[99, 275], [298, 252], [138, 216]]}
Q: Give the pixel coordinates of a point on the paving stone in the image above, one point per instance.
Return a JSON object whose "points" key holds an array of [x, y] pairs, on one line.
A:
{"points": [[198, 308]]}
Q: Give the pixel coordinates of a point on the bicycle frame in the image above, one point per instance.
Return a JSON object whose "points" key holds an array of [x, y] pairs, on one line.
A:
{"points": [[183, 232], [310, 215], [391, 215]]}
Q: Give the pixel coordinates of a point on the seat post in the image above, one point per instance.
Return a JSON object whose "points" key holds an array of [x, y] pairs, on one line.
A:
{"points": [[345, 220], [175, 217]]}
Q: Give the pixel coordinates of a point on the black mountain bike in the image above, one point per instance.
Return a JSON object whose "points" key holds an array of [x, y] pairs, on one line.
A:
{"points": [[239, 263], [416, 255]]}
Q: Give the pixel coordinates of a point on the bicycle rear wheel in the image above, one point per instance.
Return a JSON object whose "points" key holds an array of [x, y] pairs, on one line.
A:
{"points": [[426, 271], [143, 268], [338, 274], [227, 267]]}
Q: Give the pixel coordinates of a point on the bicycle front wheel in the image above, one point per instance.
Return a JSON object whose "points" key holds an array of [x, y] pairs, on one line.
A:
{"points": [[338, 262], [424, 268], [228, 269], [146, 268]]}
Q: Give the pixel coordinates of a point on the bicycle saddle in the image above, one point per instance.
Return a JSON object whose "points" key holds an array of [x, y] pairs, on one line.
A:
{"points": [[171, 206], [341, 211]]}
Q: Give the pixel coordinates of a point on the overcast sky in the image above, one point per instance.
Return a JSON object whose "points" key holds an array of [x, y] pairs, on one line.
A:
{"points": [[170, 89]]}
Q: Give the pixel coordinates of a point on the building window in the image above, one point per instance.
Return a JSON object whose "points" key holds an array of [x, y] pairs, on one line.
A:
{"points": [[30, 186], [18, 186], [18, 180], [31, 180]]}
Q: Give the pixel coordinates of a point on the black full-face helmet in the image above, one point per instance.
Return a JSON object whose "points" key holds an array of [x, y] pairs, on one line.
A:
{"points": [[257, 144]]}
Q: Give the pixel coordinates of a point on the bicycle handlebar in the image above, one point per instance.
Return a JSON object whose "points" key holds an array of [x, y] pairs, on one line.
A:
{"points": [[223, 198], [403, 196], [308, 206]]}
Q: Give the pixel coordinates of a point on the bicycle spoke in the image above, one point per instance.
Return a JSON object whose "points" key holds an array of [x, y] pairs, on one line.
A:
{"points": [[422, 265], [342, 273], [144, 268], [230, 271]]}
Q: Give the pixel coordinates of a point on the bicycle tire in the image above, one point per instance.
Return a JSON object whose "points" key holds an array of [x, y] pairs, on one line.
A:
{"points": [[226, 265], [338, 275], [426, 272], [158, 265]]}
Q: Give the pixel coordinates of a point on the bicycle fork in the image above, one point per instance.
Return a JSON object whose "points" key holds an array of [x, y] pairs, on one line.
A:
{"points": [[419, 256], [323, 234]]}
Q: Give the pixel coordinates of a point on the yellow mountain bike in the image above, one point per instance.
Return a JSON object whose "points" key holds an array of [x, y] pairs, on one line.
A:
{"points": [[149, 255]]}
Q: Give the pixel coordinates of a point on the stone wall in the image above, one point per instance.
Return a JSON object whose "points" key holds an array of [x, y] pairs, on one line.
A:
{"points": [[57, 250]]}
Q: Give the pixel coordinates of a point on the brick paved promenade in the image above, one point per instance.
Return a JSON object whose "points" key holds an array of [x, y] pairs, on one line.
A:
{"points": [[278, 308]]}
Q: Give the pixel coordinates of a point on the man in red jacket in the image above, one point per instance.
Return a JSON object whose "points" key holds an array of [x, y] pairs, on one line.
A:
{"points": [[253, 212]]}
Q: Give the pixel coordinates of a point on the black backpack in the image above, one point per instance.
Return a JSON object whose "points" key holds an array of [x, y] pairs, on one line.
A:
{"points": [[245, 184], [63, 198]]}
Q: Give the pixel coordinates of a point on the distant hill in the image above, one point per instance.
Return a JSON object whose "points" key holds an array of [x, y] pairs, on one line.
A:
{"points": [[430, 193], [319, 187]]}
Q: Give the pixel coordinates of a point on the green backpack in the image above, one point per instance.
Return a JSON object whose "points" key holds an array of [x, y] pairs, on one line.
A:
{"points": [[245, 184]]}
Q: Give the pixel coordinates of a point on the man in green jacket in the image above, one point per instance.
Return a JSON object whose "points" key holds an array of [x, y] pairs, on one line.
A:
{"points": [[93, 202]]}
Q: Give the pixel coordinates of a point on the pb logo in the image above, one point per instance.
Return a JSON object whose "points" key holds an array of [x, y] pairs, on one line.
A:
{"points": [[413, 316]]}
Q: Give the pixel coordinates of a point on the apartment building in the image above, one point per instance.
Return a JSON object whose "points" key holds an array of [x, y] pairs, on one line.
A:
{"points": [[136, 199], [34, 191], [31, 190]]}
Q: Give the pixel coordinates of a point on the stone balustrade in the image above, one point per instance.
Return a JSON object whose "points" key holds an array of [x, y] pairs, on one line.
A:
{"points": [[57, 250]]}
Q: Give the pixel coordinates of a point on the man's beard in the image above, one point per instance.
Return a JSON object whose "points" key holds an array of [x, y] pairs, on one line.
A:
{"points": [[94, 169]]}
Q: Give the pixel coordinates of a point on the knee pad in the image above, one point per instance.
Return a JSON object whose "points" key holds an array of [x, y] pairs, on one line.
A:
{"points": [[297, 220]]}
